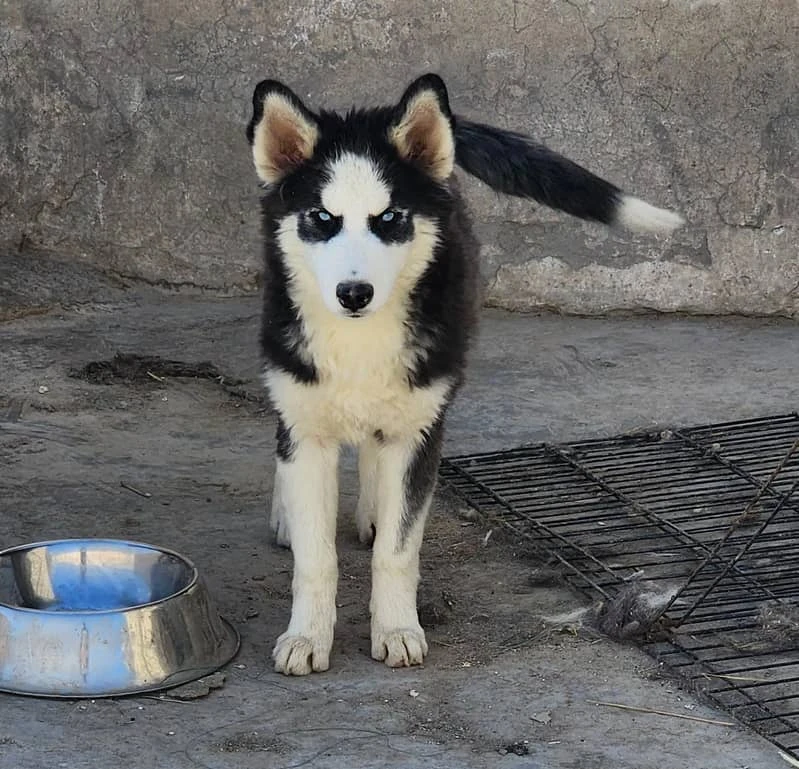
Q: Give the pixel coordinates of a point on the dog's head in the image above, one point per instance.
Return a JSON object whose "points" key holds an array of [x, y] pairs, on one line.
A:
{"points": [[354, 198]]}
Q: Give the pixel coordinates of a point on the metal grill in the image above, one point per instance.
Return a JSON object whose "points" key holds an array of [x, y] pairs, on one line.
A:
{"points": [[707, 517]]}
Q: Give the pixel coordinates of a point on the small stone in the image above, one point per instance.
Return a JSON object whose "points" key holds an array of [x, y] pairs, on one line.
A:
{"points": [[42, 389], [413, 693], [202, 687]]}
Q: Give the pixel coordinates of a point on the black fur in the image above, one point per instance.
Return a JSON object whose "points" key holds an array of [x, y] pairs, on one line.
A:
{"points": [[285, 442], [445, 302], [312, 230], [398, 230], [420, 477], [281, 327], [443, 307], [516, 165]]}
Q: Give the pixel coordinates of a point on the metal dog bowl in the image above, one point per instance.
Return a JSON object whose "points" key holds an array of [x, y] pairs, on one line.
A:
{"points": [[98, 618]]}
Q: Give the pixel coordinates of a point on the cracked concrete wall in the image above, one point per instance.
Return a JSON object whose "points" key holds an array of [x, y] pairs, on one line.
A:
{"points": [[123, 126]]}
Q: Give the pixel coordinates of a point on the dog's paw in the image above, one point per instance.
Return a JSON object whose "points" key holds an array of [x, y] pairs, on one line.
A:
{"points": [[399, 647], [297, 655]]}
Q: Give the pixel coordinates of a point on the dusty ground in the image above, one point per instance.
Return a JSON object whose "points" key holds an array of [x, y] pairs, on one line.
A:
{"points": [[499, 689]]}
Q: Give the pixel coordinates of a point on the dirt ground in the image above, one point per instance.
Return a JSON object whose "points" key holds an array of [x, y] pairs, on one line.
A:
{"points": [[501, 687]]}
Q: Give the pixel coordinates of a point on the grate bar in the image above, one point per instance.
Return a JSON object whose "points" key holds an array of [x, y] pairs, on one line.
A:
{"points": [[732, 563], [644, 512], [553, 535], [734, 467]]}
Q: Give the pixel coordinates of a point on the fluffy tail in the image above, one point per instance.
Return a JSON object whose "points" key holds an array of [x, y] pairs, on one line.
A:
{"points": [[514, 164]]}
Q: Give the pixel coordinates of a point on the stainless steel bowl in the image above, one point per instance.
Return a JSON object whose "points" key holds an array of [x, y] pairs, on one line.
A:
{"points": [[99, 618]]}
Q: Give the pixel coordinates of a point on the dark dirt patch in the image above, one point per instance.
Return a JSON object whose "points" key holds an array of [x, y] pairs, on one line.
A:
{"points": [[436, 609], [129, 368], [519, 748], [134, 369], [251, 742]]}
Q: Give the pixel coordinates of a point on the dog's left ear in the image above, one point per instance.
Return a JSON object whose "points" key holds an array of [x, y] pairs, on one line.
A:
{"points": [[422, 127]]}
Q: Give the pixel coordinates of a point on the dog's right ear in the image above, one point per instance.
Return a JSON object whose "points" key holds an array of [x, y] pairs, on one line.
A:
{"points": [[283, 131], [422, 127]]}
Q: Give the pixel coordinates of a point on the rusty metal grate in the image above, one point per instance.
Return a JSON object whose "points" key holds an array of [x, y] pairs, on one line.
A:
{"points": [[707, 518]]}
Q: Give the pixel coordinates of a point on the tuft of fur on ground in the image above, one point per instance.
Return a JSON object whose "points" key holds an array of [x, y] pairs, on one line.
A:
{"points": [[628, 615], [780, 624]]}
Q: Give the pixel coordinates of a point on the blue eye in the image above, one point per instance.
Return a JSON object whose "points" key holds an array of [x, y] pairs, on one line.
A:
{"points": [[388, 216], [323, 216]]}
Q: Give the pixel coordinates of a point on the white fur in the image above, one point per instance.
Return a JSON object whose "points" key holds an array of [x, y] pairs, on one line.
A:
{"points": [[307, 291], [397, 636], [355, 192], [356, 188], [349, 408], [363, 397], [638, 215], [356, 256], [362, 363], [308, 487], [278, 519]]}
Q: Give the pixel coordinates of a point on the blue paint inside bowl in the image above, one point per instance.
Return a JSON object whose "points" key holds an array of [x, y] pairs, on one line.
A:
{"points": [[98, 589]]}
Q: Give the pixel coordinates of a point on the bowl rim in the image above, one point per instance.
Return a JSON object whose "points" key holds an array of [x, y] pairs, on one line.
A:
{"points": [[193, 581]]}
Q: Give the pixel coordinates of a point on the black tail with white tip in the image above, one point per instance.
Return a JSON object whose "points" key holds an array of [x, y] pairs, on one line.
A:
{"points": [[515, 164]]}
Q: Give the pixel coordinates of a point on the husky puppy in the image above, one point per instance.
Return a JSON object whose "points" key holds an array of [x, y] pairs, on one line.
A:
{"points": [[370, 296]]}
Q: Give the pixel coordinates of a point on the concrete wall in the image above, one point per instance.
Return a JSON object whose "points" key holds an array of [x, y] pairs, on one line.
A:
{"points": [[124, 121]]}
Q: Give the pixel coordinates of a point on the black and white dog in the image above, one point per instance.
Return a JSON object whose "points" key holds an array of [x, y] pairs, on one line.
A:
{"points": [[370, 297]]}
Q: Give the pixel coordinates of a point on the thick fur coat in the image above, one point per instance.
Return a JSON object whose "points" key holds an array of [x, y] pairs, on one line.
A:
{"points": [[370, 298]]}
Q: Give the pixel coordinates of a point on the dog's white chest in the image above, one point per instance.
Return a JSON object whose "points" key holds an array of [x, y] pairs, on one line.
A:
{"points": [[363, 387]]}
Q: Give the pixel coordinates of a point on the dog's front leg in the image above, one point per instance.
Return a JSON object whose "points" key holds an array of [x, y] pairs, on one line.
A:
{"points": [[406, 479], [307, 482]]}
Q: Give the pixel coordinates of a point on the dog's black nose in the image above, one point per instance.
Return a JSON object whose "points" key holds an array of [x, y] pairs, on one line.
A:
{"points": [[354, 296]]}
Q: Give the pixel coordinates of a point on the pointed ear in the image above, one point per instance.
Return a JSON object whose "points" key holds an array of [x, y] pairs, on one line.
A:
{"points": [[422, 127], [282, 131]]}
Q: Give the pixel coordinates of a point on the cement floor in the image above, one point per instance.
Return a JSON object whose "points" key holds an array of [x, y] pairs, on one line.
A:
{"points": [[494, 676]]}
